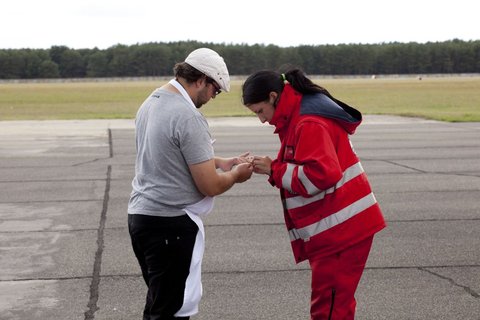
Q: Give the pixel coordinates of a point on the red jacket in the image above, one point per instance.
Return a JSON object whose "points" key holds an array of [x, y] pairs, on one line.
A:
{"points": [[327, 199]]}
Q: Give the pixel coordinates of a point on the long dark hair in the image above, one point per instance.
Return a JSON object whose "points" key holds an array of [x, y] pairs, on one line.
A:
{"points": [[258, 85]]}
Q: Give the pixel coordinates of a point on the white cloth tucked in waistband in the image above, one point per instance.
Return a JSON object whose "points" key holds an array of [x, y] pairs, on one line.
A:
{"points": [[193, 286]]}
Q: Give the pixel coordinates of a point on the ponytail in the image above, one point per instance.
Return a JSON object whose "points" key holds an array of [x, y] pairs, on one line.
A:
{"points": [[299, 81], [258, 85]]}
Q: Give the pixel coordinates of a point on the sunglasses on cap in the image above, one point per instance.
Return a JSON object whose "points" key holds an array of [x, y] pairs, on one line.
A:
{"points": [[215, 85]]}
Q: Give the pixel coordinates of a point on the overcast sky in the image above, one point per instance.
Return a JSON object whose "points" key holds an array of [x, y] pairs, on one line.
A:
{"points": [[104, 23]]}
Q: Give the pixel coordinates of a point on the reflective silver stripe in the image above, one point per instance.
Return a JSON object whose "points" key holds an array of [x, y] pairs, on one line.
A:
{"points": [[309, 186], [287, 177], [293, 234], [334, 219], [299, 201]]}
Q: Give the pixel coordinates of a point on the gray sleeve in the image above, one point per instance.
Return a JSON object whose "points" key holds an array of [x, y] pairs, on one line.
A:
{"points": [[196, 142]]}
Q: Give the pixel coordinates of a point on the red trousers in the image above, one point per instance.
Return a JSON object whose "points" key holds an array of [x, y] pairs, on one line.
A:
{"points": [[334, 281]]}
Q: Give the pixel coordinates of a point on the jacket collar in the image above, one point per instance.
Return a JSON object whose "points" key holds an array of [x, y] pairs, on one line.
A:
{"points": [[288, 105]]}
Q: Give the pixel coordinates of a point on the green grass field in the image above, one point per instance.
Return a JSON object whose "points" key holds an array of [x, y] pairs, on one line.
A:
{"points": [[440, 98]]}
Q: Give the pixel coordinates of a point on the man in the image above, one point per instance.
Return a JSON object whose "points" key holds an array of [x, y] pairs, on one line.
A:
{"points": [[175, 182]]}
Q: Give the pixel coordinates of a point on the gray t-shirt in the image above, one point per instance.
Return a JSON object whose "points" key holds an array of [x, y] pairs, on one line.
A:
{"points": [[170, 135]]}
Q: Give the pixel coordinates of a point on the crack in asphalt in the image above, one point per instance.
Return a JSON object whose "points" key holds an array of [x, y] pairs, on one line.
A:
{"points": [[467, 289], [463, 174], [299, 269], [92, 304]]}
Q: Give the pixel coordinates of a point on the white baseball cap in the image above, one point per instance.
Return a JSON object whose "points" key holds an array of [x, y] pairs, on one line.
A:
{"points": [[212, 65]]}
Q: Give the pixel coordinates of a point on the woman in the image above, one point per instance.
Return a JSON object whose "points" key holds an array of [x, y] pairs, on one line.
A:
{"points": [[330, 211]]}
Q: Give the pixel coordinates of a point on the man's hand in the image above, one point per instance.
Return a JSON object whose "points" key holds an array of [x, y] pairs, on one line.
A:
{"points": [[243, 172], [226, 164]]}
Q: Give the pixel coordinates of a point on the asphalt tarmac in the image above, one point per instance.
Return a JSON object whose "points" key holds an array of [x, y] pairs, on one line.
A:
{"points": [[65, 250]]}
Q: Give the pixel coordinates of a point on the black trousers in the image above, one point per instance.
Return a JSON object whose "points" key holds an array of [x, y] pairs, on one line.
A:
{"points": [[163, 247]]}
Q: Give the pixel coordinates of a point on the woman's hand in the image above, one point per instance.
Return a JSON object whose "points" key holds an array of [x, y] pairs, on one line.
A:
{"points": [[262, 165]]}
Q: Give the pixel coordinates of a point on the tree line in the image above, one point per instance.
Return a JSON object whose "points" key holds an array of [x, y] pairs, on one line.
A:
{"points": [[157, 59]]}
